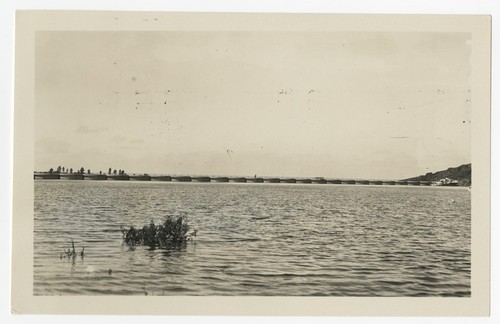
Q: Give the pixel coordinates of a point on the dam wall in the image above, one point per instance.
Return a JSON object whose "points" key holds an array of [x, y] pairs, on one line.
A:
{"points": [[223, 179]]}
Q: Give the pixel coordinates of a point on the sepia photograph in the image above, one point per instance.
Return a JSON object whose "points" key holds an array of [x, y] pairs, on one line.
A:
{"points": [[264, 162], [252, 163]]}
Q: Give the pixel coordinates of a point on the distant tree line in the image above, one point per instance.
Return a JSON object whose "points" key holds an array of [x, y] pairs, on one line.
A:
{"points": [[62, 169], [119, 172]]}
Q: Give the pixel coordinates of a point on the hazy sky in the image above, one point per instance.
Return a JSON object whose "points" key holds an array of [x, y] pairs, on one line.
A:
{"points": [[348, 105]]}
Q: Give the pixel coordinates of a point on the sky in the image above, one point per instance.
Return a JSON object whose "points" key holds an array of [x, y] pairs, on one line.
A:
{"points": [[373, 105]]}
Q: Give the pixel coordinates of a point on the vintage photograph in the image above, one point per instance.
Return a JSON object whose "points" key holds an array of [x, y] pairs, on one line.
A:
{"points": [[252, 163]]}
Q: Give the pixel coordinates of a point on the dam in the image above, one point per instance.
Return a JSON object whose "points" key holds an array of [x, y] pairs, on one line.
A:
{"points": [[222, 179]]}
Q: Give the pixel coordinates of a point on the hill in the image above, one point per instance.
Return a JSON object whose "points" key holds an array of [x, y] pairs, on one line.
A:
{"points": [[461, 173]]}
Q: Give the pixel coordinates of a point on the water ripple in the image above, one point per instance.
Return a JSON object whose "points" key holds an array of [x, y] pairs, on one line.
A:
{"points": [[269, 240]]}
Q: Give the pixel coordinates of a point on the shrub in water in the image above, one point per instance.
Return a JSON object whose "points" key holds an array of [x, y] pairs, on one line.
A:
{"points": [[173, 231]]}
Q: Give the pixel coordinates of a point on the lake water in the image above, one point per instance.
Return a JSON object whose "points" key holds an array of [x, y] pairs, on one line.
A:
{"points": [[255, 239]]}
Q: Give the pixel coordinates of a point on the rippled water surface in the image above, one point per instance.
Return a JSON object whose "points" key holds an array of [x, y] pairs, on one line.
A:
{"points": [[255, 239]]}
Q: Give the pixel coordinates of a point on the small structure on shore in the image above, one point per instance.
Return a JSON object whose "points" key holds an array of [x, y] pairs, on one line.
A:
{"points": [[447, 182]]}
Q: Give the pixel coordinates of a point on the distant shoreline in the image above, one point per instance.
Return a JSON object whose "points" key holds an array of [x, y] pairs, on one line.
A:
{"points": [[461, 174], [452, 177]]}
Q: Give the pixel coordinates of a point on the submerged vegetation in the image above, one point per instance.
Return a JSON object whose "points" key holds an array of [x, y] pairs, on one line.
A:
{"points": [[172, 232]]}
